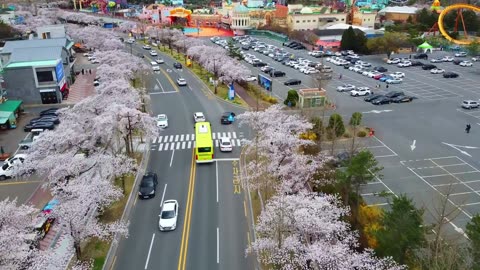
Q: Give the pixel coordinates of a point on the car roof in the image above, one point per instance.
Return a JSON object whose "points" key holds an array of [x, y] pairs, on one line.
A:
{"points": [[225, 139], [169, 205], [162, 116], [149, 175]]}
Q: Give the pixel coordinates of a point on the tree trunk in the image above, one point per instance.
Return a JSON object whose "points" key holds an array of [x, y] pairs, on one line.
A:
{"points": [[353, 140], [78, 249]]}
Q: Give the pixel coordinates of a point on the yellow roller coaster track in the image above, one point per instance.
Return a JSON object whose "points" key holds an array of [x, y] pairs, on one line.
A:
{"points": [[444, 12]]}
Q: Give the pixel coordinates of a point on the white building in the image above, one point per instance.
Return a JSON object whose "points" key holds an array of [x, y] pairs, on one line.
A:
{"points": [[240, 20], [51, 31]]}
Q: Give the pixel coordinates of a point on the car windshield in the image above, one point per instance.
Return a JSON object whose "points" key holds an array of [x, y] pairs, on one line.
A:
{"points": [[226, 143], [5, 166], [162, 117], [147, 183], [168, 214]]}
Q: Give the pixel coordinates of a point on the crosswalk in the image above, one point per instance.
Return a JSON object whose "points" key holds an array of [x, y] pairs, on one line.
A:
{"points": [[187, 141]]}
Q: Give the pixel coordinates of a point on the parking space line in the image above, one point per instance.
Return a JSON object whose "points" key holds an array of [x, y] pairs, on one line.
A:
{"points": [[385, 145], [385, 156], [461, 193], [458, 179], [469, 204]]}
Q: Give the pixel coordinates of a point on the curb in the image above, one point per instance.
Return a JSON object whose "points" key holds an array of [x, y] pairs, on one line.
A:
{"points": [[109, 259], [210, 90]]}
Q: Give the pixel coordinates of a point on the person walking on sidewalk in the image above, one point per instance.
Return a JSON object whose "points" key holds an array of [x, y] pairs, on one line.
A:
{"points": [[467, 129], [83, 71], [90, 71]]}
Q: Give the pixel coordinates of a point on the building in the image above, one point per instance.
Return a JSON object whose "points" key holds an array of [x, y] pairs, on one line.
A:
{"points": [[240, 20], [152, 13], [311, 98], [7, 15], [38, 70], [364, 19], [9, 112], [398, 14], [310, 18], [51, 31]]}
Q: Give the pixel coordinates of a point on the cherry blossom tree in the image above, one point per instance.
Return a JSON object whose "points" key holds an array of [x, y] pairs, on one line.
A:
{"points": [[95, 37], [294, 231], [16, 225]]}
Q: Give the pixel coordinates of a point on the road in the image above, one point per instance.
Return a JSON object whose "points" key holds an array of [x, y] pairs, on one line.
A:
{"points": [[212, 230]]}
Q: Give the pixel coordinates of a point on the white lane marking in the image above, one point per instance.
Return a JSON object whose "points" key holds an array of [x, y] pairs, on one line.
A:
{"points": [[216, 177], [171, 159], [166, 139], [216, 143], [166, 146], [218, 246], [213, 135], [154, 139], [181, 137], [176, 138], [172, 146], [188, 145], [239, 143], [228, 135], [385, 145], [187, 137], [171, 138], [234, 135], [177, 146], [149, 251], [163, 195], [224, 134], [158, 93], [225, 159], [233, 143], [159, 84], [193, 137], [183, 145], [160, 148]]}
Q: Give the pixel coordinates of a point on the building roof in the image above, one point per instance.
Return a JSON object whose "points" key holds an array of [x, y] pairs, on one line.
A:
{"points": [[37, 54], [332, 32], [48, 63], [10, 105], [240, 9], [404, 10], [36, 43], [346, 26]]}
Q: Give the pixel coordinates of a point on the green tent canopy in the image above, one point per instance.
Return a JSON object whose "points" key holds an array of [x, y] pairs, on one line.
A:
{"points": [[425, 45]]}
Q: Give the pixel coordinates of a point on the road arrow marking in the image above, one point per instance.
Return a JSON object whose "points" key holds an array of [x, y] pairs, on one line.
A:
{"points": [[413, 146]]}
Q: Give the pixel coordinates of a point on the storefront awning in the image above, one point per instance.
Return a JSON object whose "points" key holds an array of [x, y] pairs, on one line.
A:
{"points": [[10, 105]]}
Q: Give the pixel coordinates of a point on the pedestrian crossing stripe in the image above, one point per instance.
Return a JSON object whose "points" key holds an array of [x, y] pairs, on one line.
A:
{"points": [[191, 137], [168, 146]]}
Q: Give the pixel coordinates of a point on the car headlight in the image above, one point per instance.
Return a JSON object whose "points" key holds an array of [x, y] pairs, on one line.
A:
{"points": [[153, 192], [140, 193]]}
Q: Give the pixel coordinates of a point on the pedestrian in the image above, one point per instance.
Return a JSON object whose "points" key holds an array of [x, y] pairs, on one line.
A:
{"points": [[340, 76], [467, 129], [386, 86], [410, 56], [90, 71], [83, 71]]}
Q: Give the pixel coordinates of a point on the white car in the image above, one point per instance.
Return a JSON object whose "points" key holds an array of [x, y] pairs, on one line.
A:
{"points": [[466, 64], [436, 60], [155, 66], [147, 47], [448, 59], [373, 74], [437, 71], [7, 171], [394, 81], [162, 121], [159, 61], [225, 145], [393, 61], [154, 44], [346, 87], [475, 59], [461, 54], [265, 68], [95, 61], [360, 91], [199, 117], [91, 57], [250, 78], [153, 53], [16, 159], [404, 64], [398, 74], [181, 82], [130, 40], [311, 71], [88, 54], [168, 216]]}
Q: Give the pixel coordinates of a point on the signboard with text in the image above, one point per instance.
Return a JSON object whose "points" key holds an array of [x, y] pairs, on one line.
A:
{"points": [[265, 82], [59, 71]]}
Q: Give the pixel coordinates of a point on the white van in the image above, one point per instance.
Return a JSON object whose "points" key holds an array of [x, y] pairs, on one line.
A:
{"points": [[155, 66]]}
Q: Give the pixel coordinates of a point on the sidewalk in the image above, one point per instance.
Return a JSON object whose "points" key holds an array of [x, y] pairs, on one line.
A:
{"points": [[82, 88], [252, 103]]}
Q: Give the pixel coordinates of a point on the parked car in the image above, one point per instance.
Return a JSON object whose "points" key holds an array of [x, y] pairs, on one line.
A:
{"points": [[404, 64], [428, 67], [153, 53], [360, 91], [466, 64], [437, 71], [225, 145], [381, 100], [450, 75], [380, 69], [461, 54], [168, 216], [39, 125], [51, 111], [259, 64], [394, 81], [250, 78], [470, 104], [46, 118], [385, 78], [346, 87], [393, 61], [159, 61], [148, 186], [147, 47], [402, 99], [421, 56], [293, 82], [393, 94], [457, 61], [7, 171], [447, 59], [436, 60], [227, 118], [416, 63], [398, 74], [371, 98], [277, 73]]}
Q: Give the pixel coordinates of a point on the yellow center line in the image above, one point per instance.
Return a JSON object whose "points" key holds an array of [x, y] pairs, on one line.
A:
{"points": [[19, 183], [166, 75], [182, 260]]}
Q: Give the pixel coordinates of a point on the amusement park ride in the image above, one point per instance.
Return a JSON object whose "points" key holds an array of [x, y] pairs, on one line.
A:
{"points": [[443, 11]]}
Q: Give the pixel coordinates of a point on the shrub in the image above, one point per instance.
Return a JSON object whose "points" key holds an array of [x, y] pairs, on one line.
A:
{"points": [[362, 133], [369, 218], [335, 125], [272, 100], [309, 135], [292, 97], [347, 135]]}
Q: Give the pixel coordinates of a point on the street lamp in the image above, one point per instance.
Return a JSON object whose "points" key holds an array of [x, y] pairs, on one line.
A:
{"points": [[215, 83]]}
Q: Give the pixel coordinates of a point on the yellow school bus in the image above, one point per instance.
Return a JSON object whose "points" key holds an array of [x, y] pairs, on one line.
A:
{"points": [[203, 142]]}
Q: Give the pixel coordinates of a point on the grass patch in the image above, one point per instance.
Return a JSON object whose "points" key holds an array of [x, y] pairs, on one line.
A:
{"points": [[204, 75], [264, 100], [95, 248]]}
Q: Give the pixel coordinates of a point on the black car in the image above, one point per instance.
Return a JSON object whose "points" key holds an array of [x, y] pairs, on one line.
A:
{"points": [[177, 65], [421, 56], [148, 186], [347, 66], [428, 67], [380, 69], [141, 55], [450, 75], [292, 82], [46, 118], [457, 61], [39, 125], [227, 118], [51, 111], [298, 47], [394, 94], [402, 99], [354, 60], [259, 64], [417, 63], [290, 43], [372, 97], [381, 100], [277, 73], [245, 48]]}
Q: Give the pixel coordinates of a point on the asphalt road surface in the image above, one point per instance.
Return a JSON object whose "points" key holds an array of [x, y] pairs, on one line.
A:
{"points": [[212, 230]]}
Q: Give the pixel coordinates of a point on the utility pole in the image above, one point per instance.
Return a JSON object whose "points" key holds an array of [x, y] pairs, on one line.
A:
{"points": [[215, 75]]}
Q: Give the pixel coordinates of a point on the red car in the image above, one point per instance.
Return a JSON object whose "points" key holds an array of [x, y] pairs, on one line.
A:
{"points": [[378, 76]]}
